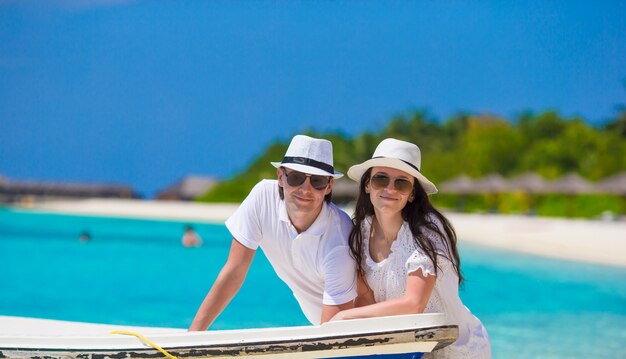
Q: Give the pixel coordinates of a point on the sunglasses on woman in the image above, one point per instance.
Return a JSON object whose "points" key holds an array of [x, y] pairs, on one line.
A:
{"points": [[295, 179], [401, 185]]}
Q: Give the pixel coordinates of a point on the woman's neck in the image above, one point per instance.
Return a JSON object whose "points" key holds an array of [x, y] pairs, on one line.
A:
{"points": [[387, 225]]}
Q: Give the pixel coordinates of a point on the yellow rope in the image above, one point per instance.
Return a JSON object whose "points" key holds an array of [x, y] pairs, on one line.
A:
{"points": [[146, 341]]}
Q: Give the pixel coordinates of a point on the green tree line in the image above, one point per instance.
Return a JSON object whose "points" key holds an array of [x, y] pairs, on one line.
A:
{"points": [[476, 145]]}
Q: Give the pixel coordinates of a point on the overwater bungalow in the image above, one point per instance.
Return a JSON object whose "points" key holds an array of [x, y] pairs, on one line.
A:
{"points": [[188, 188], [31, 191]]}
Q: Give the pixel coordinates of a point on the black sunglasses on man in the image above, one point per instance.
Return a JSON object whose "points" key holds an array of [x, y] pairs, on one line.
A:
{"points": [[295, 179]]}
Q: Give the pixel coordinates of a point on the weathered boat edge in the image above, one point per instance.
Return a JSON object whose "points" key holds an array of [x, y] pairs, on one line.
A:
{"points": [[320, 343]]}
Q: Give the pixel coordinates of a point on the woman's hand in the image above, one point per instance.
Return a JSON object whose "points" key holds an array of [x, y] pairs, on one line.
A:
{"points": [[339, 316], [418, 290]]}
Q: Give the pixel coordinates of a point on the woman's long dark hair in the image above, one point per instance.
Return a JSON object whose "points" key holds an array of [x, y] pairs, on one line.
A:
{"points": [[416, 213]]}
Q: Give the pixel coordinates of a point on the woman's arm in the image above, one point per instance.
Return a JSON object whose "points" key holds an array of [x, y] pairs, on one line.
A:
{"points": [[418, 290], [364, 294]]}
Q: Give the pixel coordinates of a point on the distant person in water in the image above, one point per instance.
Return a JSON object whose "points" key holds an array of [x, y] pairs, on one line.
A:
{"points": [[85, 237], [303, 235], [405, 250], [191, 238]]}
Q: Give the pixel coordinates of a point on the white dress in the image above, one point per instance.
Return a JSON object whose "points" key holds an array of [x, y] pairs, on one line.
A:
{"points": [[387, 279]]}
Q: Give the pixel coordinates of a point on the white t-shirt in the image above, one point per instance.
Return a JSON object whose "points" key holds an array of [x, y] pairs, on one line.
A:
{"points": [[316, 264]]}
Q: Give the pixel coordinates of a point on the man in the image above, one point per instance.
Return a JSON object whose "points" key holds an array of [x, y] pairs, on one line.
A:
{"points": [[302, 234]]}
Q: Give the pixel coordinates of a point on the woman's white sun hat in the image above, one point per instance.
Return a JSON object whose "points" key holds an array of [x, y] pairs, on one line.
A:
{"points": [[309, 155], [397, 154]]}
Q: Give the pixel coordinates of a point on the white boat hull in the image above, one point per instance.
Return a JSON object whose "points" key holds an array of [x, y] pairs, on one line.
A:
{"points": [[420, 333]]}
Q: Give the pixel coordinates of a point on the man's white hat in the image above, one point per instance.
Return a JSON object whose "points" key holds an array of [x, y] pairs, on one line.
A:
{"points": [[397, 154], [309, 155]]}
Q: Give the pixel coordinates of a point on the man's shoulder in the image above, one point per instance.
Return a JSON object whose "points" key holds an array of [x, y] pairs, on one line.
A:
{"points": [[339, 218], [263, 195], [338, 213], [335, 243], [259, 205], [265, 188], [267, 183]]}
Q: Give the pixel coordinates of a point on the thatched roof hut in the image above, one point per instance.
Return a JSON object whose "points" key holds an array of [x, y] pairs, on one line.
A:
{"points": [[529, 182], [345, 190], [572, 183], [615, 184], [458, 185], [492, 183]]}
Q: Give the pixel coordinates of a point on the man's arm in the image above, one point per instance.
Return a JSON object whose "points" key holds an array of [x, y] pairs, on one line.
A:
{"points": [[418, 290], [225, 287], [329, 311], [339, 282]]}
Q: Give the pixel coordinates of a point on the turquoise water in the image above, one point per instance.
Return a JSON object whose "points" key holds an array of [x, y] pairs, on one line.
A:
{"points": [[135, 272]]}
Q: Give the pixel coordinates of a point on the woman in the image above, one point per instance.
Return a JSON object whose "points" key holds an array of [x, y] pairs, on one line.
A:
{"points": [[405, 250]]}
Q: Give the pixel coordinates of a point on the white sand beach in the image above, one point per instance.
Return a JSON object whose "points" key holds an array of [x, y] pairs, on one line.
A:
{"points": [[131, 208], [594, 241]]}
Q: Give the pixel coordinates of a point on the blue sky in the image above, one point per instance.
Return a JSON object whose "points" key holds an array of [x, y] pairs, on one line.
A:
{"points": [[145, 92]]}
